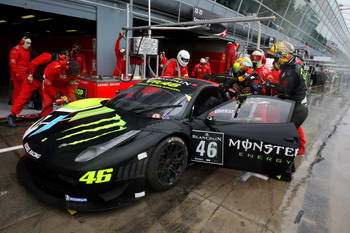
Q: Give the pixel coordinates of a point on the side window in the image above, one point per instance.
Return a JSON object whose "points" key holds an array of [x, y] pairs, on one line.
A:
{"points": [[207, 99], [256, 109]]}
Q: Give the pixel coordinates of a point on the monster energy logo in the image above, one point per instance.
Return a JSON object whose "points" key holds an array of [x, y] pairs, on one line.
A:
{"points": [[261, 147], [112, 127]]}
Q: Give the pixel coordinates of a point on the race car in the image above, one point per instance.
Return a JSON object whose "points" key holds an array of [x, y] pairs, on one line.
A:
{"points": [[98, 154]]}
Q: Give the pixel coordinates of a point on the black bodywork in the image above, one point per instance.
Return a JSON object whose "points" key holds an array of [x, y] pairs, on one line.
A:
{"points": [[96, 154]]}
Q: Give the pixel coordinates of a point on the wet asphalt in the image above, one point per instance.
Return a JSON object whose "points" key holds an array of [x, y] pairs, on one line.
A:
{"points": [[212, 199]]}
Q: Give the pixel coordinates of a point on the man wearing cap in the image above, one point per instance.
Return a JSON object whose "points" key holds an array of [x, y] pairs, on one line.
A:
{"points": [[200, 69], [163, 61], [19, 62], [121, 58]]}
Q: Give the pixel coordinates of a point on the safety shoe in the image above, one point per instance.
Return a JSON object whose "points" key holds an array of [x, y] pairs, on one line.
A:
{"points": [[11, 120], [301, 150]]}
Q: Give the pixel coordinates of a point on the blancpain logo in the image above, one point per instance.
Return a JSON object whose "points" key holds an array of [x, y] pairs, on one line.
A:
{"points": [[31, 152], [207, 137]]}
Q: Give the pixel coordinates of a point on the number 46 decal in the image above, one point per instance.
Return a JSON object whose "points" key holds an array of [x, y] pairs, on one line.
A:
{"points": [[100, 176], [208, 147]]}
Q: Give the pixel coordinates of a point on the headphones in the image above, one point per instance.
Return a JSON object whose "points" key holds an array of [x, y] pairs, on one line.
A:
{"points": [[63, 55], [23, 40]]}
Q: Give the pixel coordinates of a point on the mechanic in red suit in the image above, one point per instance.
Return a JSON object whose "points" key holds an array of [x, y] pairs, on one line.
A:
{"points": [[19, 62], [120, 54], [179, 64], [258, 59], [231, 54], [200, 69], [33, 82], [79, 57], [163, 61], [59, 78]]}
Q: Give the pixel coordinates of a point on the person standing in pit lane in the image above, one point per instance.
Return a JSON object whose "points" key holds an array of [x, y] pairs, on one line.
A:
{"points": [[231, 54], [33, 82], [292, 84], [78, 56], [19, 62], [200, 69], [120, 54], [259, 61], [178, 66], [59, 79], [163, 61]]}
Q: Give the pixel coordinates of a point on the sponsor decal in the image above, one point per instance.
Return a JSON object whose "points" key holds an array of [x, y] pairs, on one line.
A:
{"points": [[262, 147], [174, 84], [31, 152], [96, 177], [75, 199], [208, 147], [113, 124]]}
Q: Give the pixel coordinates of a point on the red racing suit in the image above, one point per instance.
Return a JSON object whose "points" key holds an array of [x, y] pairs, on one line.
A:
{"points": [[231, 55], [199, 71], [19, 62], [121, 62], [36, 69], [263, 72], [162, 63], [172, 69], [57, 81], [80, 58]]}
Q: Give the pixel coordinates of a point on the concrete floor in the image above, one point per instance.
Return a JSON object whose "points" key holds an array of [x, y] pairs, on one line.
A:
{"points": [[211, 199]]}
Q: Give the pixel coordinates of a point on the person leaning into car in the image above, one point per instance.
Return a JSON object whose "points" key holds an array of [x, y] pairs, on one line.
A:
{"points": [[59, 79]]}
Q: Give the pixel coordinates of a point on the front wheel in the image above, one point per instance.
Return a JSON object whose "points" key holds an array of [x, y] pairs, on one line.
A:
{"points": [[167, 163]]}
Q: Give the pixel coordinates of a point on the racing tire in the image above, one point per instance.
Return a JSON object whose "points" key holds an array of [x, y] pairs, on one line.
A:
{"points": [[167, 163]]}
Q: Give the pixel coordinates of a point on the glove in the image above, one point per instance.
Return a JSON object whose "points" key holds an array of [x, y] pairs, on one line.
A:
{"points": [[62, 100], [242, 98], [59, 101]]}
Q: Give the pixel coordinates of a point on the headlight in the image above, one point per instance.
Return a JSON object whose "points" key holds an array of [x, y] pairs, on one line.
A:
{"points": [[94, 151]]}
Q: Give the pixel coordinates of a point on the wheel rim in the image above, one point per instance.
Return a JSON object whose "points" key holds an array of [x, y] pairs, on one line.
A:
{"points": [[171, 164]]}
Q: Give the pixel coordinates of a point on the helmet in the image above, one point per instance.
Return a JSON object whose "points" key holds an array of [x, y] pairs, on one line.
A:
{"points": [[122, 50], [202, 60], [283, 52], [258, 58], [183, 57], [73, 68], [242, 66]]}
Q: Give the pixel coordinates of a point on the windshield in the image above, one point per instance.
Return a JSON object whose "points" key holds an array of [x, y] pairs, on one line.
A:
{"points": [[154, 99]]}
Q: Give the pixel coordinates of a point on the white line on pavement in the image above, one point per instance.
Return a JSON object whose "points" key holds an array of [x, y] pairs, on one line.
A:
{"points": [[11, 148]]}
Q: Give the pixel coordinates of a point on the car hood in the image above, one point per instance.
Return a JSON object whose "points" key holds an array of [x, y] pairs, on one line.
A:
{"points": [[81, 124]]}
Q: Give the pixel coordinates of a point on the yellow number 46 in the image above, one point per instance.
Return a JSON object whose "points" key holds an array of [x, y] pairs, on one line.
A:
{"points": [[100, 176]]}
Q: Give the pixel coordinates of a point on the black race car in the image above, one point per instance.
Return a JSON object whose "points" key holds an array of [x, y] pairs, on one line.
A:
{"points": [[97, 154]]}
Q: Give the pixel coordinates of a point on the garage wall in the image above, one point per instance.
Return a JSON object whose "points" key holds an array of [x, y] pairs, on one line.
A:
{"points": [[69, 8], [109, 23]]}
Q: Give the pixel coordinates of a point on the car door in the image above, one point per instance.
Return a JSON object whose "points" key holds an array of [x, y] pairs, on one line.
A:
{"points": [[255, 136]]}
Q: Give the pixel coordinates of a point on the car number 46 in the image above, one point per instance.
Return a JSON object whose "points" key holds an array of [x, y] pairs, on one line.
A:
{"points": [[100, 176], [211, 149]]}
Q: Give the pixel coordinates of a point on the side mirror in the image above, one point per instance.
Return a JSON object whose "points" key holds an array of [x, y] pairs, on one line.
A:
{"points": [[209, 120]]}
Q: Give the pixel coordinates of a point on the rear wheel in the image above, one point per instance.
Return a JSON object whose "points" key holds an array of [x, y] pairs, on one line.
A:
{"points": [[167, 163]]}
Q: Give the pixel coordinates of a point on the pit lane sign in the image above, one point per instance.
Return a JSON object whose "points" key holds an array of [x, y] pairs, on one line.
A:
{"points": [[201, 14]]}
